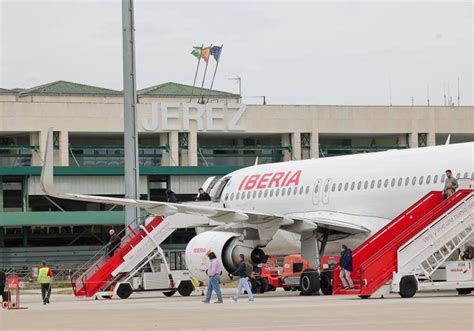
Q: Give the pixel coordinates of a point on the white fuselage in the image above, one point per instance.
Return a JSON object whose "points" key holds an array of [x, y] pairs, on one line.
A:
{"points": [[374, 188]]}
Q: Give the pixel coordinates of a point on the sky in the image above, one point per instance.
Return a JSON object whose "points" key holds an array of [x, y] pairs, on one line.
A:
{"points": [[310, 52]]}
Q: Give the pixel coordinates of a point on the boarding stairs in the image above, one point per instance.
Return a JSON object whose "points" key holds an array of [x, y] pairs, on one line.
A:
{"points": [[137, 248], [416, 242]]}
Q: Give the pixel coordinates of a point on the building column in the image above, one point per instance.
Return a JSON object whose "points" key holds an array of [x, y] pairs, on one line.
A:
{"points": [[431, 139], [1, 194], [173, 139], [296, 145], [165, 157], [402, 140], [192, 148], [413, 140], [35, 141], [285, 142], [64, 148], [314, 149]]}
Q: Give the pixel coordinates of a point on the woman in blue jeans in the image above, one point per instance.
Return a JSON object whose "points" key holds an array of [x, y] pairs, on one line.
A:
{"points": [[214, 272]]}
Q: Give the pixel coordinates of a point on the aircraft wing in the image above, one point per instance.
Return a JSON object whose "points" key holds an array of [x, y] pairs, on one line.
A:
{"points": [[221, 215]]}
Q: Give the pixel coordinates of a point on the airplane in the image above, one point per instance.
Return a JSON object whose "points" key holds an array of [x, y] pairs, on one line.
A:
{"points": [[312, 206]]}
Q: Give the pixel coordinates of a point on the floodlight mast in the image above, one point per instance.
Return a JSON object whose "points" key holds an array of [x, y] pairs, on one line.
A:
{"points": [[130, 111]]}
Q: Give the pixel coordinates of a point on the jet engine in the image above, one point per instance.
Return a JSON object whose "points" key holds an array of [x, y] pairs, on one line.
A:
{"points": [[226, 245]]}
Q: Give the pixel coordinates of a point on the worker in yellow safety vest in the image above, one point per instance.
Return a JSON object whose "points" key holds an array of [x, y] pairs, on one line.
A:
{"points": [[45, 276]]}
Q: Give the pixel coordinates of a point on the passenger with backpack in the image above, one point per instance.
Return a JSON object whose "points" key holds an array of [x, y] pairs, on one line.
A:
{"points": [[244, 272]]}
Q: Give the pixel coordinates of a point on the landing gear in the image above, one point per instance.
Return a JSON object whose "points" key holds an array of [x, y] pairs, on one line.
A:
{"points": [[326, 282], [310, 282]]}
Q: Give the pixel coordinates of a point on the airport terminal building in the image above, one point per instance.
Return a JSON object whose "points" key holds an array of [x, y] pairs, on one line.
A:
{"points": [[182, 142]]}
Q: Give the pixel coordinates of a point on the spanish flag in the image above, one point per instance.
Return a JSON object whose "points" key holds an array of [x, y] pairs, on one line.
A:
{"points": [[205, 53]]}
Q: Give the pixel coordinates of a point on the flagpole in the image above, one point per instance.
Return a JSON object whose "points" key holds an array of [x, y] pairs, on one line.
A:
{"points": [[214, 76], [195, 75], [204, 77]]}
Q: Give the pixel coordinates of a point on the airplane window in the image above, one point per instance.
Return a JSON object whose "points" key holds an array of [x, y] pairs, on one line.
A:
{"points": [[352, 186], [458, 175], [271, 193], [421, 180], [333, 187], [428, 179], [379, 183], [237, 196], [407, 181], [366, 184], [254, 195], [413, 181], [260, 194], [443, 178], [326, 188], [283, 192], [242, 196], [265, 193], [393, 182], [346, 186], [400, 181], [248, 194], [277, 192], [466, 175], [435, 179], [385, 184], [359, 184], [307, 189], [472, 176], [232, 196], [316, 188], [295, 190], [372, 184], [226, 197], [301, 190], [339, 188]]}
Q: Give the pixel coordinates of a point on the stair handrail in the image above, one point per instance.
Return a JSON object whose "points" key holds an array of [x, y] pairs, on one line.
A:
{"points": [[429, 228], [365, 264], [102, 256], [436, 209]]}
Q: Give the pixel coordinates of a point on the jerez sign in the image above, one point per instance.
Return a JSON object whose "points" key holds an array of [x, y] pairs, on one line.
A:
{"points": [[178, 116]]}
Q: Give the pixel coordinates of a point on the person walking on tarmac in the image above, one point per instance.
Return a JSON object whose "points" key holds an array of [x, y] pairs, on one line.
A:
{"points": [[244, 271], [346, 268], [214, 272], [45, 276]]}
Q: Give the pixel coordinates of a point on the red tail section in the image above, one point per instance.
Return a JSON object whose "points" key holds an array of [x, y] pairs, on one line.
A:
{"points": [[375, 260], [99, 274]]}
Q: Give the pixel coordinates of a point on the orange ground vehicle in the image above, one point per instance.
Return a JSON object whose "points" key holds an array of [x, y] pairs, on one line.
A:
{"points": [[270, 275]]}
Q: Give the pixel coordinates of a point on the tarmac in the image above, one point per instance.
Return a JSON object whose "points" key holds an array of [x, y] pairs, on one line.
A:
{"points": [[275, 310]]}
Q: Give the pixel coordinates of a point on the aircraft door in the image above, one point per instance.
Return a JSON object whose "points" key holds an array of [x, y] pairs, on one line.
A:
{"points": [[316, 190], [326, 189]]}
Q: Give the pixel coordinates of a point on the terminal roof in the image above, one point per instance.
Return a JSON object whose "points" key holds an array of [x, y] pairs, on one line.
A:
{"points": [[171, 89]]}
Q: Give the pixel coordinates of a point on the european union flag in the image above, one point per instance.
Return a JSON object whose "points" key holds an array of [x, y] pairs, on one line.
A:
{"points": [[216, 52]]}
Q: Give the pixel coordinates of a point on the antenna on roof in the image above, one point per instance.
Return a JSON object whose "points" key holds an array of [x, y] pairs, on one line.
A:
{"points": [[448, 140], [459, 94], [428, 94], [444, 93]]}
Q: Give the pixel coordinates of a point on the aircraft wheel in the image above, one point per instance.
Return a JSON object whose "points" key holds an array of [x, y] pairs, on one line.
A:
{"points": [[185, 288], [254, 285], [408, 287], [287, 288], [326, 283], [309, 282], [364, 296], [264, 285]]}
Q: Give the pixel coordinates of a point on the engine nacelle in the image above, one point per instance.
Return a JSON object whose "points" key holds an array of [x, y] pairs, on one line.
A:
{"points": [[226, 245]]}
